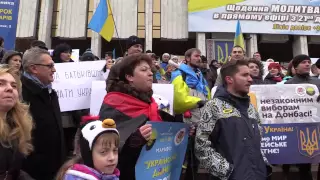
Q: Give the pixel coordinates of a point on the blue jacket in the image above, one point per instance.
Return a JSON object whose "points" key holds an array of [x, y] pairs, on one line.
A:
{"points": [[82, 172]]}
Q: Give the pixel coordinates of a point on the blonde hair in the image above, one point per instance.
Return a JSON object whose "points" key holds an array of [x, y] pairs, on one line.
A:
{"points": [[106, 140], [21, 120]]}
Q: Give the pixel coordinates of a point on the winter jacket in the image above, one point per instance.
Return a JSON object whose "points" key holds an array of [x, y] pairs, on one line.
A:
{"points": [[257, 80], [285, 79], [304, 79], [269, 79], [82, 172], [10, 162], [47, 136], [228, 138], [130, 110], [186, 83]]}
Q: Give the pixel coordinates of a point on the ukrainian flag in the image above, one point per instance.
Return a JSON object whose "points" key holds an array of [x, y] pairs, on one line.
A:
{"points": [[102, 20], [238, 38]]}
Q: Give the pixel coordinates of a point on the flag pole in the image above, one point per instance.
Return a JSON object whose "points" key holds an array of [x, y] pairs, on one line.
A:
{"points": [[115, 27]]}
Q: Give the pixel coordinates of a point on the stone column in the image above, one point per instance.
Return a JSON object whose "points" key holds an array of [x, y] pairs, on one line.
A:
{"points": [[251, 45], [148, 21], [45, 22], [201, 43], [300, 45]]}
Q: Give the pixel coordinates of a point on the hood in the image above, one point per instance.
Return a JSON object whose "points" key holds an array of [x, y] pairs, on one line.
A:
{"points": [[8, 55], [241, 103]]}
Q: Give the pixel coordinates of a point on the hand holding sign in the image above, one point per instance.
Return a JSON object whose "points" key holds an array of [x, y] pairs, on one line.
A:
{"points": [[146, 131]]}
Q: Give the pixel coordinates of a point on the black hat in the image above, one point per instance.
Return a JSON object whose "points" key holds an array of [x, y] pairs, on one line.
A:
{"points": [[90, 133], [133, 40], [298, 59], [87, 56]]}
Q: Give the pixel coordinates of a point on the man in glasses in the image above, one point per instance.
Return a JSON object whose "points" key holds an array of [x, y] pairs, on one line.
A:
{"points": [[48, 140]]}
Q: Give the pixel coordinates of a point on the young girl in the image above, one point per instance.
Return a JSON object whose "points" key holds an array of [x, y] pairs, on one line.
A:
{"points": [[99, 142]]}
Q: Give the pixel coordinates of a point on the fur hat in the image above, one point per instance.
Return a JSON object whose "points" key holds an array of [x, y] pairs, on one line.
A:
{"points": [[90, 133], [298, 59]]}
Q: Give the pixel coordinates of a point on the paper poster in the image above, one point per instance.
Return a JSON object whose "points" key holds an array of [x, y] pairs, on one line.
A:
{"points": [[291, 122], [162, 157], [72, 82]]}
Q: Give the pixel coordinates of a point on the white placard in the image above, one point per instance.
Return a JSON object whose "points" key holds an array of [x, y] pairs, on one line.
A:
{"points": [[72, 82], [99, 92]]}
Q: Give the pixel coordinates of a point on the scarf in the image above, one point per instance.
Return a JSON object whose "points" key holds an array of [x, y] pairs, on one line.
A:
{"points": [[37, 81], [194, 79], [132, 106]]}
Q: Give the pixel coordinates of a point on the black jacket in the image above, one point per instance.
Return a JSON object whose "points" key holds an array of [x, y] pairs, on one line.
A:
{"points": [[128, 121], [269, 79], [232, 149], [304, 79], [48, 140], [257, 80], [10, 162]]}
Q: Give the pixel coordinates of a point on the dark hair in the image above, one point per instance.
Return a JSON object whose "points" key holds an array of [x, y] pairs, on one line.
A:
{"points": [[256, 53], [231, 68], [1, 40], [61, 48], [204, 59], [259, 64], [129, 63], [39, 44], [189, 52], [289, 70]]}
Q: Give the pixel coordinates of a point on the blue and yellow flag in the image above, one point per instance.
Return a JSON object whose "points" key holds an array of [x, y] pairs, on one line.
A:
{"points": [[102, 20], [238, 38]]}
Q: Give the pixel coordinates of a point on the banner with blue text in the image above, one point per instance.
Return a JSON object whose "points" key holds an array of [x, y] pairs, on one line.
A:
{"points": [[162, 157], [9, 10], [298, 17], [291, 122]]}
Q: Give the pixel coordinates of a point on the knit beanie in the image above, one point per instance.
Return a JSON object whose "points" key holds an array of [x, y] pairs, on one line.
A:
{"points": [[133, 40], [274, 65], [87, 55], [298, 59], [90, 133]]}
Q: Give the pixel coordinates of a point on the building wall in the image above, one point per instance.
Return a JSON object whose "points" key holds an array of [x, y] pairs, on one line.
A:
{"points": [[165, 20]]}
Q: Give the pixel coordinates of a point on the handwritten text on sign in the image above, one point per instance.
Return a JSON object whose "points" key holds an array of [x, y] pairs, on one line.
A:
{"points": [[72, 82]]}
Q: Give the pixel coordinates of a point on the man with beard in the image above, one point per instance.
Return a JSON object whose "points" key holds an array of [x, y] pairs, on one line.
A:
{"points": [[228, 135], [190, 94]]}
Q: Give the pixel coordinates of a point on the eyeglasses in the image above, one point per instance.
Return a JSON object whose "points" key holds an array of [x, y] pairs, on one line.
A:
{"points": [[50, 66]]}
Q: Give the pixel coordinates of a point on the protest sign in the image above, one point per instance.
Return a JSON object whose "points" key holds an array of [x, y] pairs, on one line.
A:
{"points": [[162, 93], [256, 16], [9, 10], [291, 122], [162, 157], [72, 82]]}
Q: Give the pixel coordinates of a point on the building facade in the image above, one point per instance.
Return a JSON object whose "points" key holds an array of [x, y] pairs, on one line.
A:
{"points": [[162, 24]]}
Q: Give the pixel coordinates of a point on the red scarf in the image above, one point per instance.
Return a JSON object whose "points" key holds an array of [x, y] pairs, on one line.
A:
{"points": [[277, 78], [132, 106]]}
